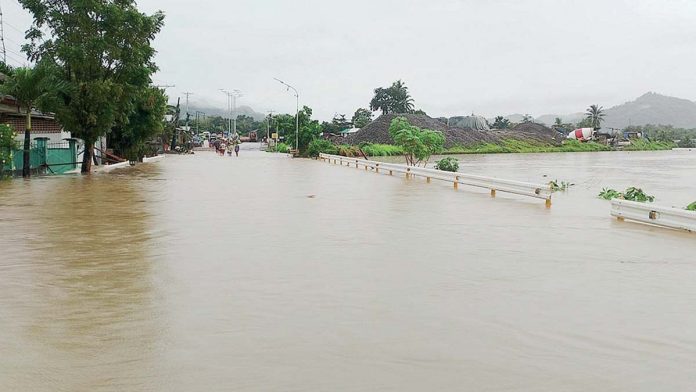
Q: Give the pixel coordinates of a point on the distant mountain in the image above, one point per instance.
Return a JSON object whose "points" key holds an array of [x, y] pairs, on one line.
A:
{"points": [[550, 119], [215, 111], [653, 108]]}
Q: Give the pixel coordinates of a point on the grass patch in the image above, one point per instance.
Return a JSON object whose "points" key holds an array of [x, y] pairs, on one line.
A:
{"points": [[371, 150], [381, 150], [517, 146], [646, 145]]}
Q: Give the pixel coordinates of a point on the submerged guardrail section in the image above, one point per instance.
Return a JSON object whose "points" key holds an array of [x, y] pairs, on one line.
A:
{"points": [[670, 217], [538, 191]]}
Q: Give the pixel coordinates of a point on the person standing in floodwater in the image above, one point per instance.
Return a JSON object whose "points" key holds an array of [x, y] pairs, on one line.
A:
{"points": [[236, 149]]}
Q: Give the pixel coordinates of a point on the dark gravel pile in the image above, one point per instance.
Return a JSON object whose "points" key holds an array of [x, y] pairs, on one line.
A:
{"points": [[531, 132], [378, 131]]}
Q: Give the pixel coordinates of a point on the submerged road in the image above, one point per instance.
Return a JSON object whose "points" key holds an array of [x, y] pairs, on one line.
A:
{"points": [[262, 272]]}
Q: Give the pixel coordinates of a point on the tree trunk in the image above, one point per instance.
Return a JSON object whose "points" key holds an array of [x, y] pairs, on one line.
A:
{"points": [[26, 159], [87, 157]]}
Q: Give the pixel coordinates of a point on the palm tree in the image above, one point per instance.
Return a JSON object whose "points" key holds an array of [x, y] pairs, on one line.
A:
{"points": [[595, 116], [29, 86], [393, 99], [400, 98]]}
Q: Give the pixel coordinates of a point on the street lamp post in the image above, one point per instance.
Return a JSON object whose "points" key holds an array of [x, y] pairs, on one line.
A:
{"points": [[297, 112], [231, 99]]}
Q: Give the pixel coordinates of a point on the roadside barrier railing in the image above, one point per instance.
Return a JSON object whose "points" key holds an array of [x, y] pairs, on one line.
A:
{"points": [[670, 217], [493, 184], [153, 159]]}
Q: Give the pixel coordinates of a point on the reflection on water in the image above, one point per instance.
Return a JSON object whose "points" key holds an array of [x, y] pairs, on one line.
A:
{"points": [[267, 273]]}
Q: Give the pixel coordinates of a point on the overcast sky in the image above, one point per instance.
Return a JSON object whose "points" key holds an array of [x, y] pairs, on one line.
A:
{"points": [[456, 56]]}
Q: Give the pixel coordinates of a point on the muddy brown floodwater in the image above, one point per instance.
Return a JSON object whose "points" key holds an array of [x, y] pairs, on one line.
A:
{"points": [[263, 273]]}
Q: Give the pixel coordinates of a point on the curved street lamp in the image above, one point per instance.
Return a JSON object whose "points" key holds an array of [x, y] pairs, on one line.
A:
{"points": [[297, 113]]}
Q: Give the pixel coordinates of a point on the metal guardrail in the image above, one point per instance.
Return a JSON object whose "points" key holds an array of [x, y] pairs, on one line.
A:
{"points": [[673, 218], [538, 191], [153, 159]]}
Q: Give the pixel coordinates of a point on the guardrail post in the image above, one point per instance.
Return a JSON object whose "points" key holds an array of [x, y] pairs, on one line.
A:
{"points": [[408, 173], [391, 173], [377, 168], [456, 182], [492, 192], [427, 179], [548, 203], [356, 165]]}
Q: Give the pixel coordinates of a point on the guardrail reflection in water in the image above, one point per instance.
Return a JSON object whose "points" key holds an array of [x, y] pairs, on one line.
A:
{"points": [[538, 191], [673, 218]]}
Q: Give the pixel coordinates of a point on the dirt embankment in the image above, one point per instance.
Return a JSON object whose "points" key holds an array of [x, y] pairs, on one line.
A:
{"points": [[378, 132]]}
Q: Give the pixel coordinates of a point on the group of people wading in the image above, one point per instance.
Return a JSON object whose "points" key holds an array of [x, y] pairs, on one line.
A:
{"points": [[221, 147]]}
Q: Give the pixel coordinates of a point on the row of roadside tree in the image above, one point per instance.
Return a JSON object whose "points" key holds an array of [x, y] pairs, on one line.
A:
{"points": [[93, 67]]}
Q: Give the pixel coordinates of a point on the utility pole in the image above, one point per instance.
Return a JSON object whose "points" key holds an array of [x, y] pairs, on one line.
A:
{"points": [[198, 122], [187, 107], [2, 38], [297, 112], [268, 125]]}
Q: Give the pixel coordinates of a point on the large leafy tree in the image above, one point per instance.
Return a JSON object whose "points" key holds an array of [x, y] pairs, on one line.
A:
{"points": [[144, 122], [31, 87], [393, 99], [361, 117], [418, 144], [102, 52], [595, 116]]}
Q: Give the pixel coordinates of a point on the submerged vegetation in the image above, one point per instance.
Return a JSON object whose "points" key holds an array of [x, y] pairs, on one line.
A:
{"points": [[447, 164], [632, 194], [557, 186]]}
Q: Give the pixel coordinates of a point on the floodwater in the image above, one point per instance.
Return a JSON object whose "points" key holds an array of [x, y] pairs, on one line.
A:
{"points": [[264, 273]]}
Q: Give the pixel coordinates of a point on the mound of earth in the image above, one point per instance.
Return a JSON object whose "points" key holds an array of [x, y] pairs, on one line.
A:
{"points": [[531, 132], [378, 132]]}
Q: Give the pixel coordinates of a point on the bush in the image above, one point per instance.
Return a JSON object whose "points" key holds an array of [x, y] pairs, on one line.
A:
{"points": [[7, 144], [691, 207], [447, 164], [282, 148], [321, 146], [686, 143]]}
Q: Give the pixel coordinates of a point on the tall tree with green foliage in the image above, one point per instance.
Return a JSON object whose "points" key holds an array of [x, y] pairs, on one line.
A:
{"points": [[31, 87], [144, 122], [102, 51], [418, 144], [361, 117], [595, 115], [393, 99]]}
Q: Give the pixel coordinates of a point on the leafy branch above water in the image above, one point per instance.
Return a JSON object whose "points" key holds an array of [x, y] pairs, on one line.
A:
{"points": [[632, 194]]}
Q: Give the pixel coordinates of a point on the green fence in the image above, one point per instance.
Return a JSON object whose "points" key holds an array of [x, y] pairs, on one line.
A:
{"points": [[46, 158]]}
